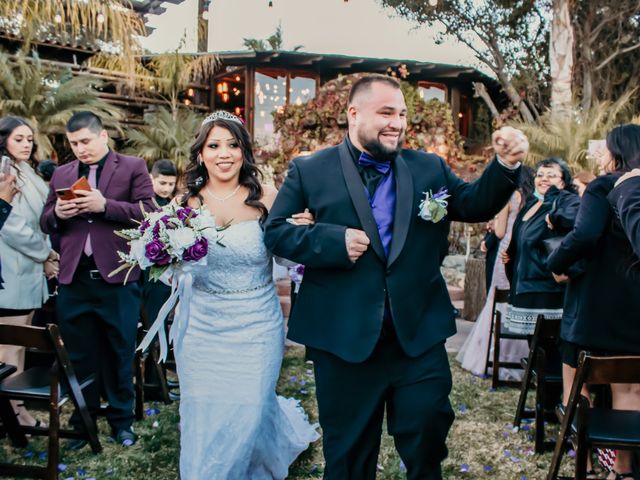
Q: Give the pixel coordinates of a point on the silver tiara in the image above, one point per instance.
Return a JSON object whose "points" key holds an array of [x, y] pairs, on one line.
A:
{"points": [[222, 115]]}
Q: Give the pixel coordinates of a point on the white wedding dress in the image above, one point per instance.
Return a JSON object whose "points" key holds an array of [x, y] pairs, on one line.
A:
{"points": [[473, 354], [233, 426]]}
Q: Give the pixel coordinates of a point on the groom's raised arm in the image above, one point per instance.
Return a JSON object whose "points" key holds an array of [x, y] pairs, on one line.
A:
{"points": [[480, 200], [321, 245]]}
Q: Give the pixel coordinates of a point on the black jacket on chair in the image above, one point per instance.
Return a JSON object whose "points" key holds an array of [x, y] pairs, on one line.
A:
{"points": [[601, 305], [340, 304]]}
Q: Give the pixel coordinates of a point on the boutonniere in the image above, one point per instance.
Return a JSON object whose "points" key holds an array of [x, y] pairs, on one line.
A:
{"points": [[434, 206]]}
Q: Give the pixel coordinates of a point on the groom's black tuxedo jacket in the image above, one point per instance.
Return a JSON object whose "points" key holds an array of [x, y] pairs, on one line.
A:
{"points": [[340, 305]]}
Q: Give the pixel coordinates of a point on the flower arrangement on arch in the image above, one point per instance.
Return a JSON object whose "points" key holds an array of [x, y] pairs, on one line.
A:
{"points": [[167, 238]]}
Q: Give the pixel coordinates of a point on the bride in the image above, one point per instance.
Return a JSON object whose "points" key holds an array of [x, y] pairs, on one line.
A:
{"points": [[233, 426]]}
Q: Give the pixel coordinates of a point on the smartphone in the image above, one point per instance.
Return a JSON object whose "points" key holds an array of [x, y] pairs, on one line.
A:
{"points": [[5, 165], [65, 194], [596, 148]]}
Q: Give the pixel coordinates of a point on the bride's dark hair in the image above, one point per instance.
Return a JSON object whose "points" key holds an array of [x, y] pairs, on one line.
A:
{"points": [[197, 175]]}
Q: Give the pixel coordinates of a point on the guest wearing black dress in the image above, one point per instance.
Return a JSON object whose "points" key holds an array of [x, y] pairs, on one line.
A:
{"points": [[602, 304], [489, 247], [533, 289]]}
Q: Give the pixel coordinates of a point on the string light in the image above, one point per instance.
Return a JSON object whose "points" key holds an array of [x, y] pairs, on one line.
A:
{"points": [[57, 18], [100, 18]]}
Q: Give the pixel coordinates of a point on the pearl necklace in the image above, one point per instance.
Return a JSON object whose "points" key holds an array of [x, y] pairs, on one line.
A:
{"points": [[225, 198]]}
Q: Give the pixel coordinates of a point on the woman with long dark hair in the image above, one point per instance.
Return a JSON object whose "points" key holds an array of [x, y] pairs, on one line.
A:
{"points": [[602, 303], [27, 257], [228, 359]]}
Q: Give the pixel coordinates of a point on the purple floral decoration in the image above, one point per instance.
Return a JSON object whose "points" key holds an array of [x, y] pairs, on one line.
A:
{"points": [[196, 251]]}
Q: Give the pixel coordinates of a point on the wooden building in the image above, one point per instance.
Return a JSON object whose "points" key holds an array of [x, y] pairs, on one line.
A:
{"points": [[254, 84]]}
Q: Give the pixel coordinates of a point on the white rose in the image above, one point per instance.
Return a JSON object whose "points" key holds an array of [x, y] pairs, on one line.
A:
{"points": [[181, 239], [137, 252]]}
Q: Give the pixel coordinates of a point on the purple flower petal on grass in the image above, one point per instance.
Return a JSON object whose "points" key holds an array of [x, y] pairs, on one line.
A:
{"points": [[492, 390], [505, 434], [525, 428], [43, 456], [464, 468], [81, 471], [487, 468], [462, 408], [303, 392], [302, 382], [150, 412], [293, 379], [403, 468], [524, 477], [507, 453], [27, 454], [379, 467], [515, 459], [571, 453], [62, 467], [108, 471]]}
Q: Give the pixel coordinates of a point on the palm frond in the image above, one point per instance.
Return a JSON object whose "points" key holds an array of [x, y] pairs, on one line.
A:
{"points": [[568, 137], [47, 97], [164, 136]]}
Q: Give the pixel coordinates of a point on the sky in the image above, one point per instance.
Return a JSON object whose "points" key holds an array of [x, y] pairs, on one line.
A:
{"points": [[357, 28]]}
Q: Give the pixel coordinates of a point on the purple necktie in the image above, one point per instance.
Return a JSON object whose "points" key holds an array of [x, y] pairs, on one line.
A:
{"points": [[88, 251]]}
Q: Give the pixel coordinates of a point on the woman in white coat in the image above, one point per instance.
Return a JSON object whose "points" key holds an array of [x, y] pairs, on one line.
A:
{"points": [[25, 252]]}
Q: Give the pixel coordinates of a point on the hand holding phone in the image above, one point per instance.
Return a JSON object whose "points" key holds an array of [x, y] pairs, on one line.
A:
{"points": [[65, 193], [5, 165]]}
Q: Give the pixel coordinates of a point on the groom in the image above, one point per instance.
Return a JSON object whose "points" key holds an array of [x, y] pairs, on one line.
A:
{"points": [[373, 309]]}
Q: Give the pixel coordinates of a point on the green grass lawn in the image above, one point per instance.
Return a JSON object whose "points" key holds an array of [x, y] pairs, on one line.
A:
{"points": [[481, 442]]}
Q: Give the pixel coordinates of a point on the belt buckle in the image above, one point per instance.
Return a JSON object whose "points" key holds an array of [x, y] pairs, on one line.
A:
{"points": [[95, 275]]}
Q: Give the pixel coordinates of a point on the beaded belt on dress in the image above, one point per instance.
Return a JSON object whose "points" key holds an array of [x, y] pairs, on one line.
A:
{"points": [[202, 288]]}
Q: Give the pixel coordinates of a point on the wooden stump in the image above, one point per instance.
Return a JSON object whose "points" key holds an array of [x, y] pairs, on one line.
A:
{"points": [[475, 290]]}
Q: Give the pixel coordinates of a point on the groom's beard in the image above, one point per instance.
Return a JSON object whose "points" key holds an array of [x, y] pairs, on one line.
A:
{"points": [[380, 151]]}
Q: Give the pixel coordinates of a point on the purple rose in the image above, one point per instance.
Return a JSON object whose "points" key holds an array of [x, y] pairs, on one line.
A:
{"points": [[185, 213], [155, 251], [143, 226], [196, 251], [156, 230]]}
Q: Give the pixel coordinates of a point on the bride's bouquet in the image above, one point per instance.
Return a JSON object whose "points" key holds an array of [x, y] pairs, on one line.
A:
{"points": [[170, 241], [167, 238]]}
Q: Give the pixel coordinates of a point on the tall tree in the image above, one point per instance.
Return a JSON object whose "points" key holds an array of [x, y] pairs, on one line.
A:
{"points": [[507, 36], [561, 55], [608, 49]]}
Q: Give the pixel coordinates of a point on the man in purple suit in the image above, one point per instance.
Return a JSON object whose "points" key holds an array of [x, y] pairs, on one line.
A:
{"points": [[98, 314]]}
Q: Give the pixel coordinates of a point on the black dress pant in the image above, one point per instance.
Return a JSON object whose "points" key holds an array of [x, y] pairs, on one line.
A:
{"points": [[352, 398], [154, 295], [98, 322]]}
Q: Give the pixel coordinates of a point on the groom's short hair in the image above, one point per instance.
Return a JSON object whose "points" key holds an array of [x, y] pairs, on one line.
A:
{"points": [[365, 82]]}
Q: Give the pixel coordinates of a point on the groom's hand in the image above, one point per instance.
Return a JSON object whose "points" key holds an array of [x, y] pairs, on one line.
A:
{"points": [[357, 243], [510, 144]]}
